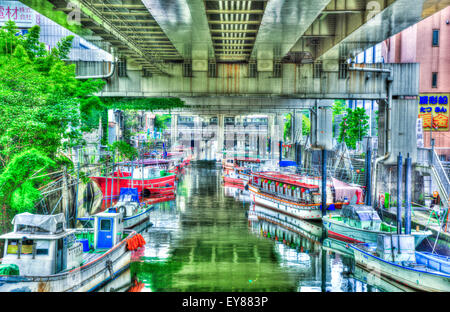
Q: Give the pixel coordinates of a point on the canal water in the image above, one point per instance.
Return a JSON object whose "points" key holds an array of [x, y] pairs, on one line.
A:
{"points": [[210, 239]]}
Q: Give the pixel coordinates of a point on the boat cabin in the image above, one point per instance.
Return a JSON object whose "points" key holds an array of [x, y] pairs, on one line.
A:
{"points": [[128, 202], [41, 245], [286, 187], [361, 216], [108, 229]]}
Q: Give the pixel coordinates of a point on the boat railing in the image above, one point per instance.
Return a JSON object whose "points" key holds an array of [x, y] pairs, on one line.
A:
{"points": [[80, 276], [289, 198]]}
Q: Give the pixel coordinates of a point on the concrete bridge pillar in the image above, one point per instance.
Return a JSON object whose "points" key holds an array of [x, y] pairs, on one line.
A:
{"points": [[220, 136], [173, 129], [271, 129], [296, 126], [280, 133], [197, 137], [397, 135]]}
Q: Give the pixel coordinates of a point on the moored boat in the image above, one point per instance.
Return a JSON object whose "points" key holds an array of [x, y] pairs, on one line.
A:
{"points": [[284, 193], [394, 257], [361, 224], [151, 183], [42, 255], [133, 212]]}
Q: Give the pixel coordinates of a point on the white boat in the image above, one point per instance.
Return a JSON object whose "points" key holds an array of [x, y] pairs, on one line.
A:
{"points": [[134, 213], [307, 229], [284, 193], [402, 263], [42, 255], [361, 224]]}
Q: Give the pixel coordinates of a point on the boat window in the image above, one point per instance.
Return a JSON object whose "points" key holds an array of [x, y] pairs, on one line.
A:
{"points": [[364, 216], [105, 225], [42, 247], [12, 246], [27, 247]]}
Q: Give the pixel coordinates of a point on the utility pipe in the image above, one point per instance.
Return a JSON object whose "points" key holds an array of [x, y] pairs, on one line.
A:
{"points": [[324, 182], [399, 192], [107, 76], [408, 195]]}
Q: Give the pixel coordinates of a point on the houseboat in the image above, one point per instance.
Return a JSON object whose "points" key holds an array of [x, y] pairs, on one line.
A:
{"points": [[394, 257], [286, 194], [42, 255], [361, 224], [237, 170], [133, 212]]}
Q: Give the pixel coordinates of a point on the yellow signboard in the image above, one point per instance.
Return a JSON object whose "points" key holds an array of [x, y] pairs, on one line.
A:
{"points": [[434, 110]]}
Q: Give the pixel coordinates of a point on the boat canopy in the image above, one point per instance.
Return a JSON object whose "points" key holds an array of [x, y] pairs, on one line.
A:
{"points": [[291, 179], [360, 212], [31, 223], [128, 194], [287, 163]]}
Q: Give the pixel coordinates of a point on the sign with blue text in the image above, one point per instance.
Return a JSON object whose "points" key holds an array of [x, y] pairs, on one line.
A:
{"points": [[434, 111]]}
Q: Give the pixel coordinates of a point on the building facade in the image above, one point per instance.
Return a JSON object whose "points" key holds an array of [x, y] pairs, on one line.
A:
{"points": [[428, 43]]}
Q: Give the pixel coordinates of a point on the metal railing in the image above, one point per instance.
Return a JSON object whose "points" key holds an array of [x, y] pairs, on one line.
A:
{"points": [[443, 181]]}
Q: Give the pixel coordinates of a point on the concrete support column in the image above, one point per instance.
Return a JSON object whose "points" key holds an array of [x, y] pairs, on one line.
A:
{"points": [[197, 137], [271, 130], [173, 129], [280, 131], [296, 126], [220, 136]]}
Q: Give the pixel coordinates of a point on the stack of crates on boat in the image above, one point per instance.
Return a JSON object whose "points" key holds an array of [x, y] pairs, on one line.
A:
{"points": [[396, 247]]}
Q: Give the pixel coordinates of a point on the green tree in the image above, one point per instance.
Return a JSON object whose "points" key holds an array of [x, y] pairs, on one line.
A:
{"points": [[306, 125], [287, 127], [162, 121], [40, 102], [353, 127], [124, 150], [339, 108]]}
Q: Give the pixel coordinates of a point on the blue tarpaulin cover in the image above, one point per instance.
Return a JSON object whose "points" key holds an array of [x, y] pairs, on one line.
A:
{"points": [[128, 194], [287, 163]]}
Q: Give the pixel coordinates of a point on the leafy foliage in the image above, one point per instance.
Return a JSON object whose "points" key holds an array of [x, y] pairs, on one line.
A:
{"points": [[124, 149], [339, 107], [18, 187], [287, 127], [148, 104], [162, 121], [40, 102], [353, 127], [306, 125]]}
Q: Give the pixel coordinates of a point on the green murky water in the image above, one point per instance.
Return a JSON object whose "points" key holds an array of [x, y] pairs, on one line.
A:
{"points": [[205, 241]]}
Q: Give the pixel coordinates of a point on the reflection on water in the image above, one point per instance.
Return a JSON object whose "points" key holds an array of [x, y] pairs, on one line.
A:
{"points": [[207, 240]]}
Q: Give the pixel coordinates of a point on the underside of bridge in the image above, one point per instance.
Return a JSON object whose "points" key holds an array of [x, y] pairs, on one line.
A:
{"points": [[189, 37]]}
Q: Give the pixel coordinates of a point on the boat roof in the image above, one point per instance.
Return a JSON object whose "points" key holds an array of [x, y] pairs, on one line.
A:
{"points": [[128, 194], [144, 162], [45, 223], [362, 212], [292, 179], [38, 236]]}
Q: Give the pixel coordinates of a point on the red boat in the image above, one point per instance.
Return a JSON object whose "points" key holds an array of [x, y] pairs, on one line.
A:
{"points": [[162, 186], [233, 181]]}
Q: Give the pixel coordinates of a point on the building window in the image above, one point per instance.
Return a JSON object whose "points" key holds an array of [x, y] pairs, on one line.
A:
{"points": [[435, 37], [434, 80], [343, 69], [212, 70], [122, 68], [187, 69], [277, 69], [317, 69], [252, 70]]}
